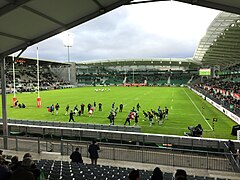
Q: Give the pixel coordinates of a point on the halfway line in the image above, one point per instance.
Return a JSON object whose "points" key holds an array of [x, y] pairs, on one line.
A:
{"points": [[198, 109]]}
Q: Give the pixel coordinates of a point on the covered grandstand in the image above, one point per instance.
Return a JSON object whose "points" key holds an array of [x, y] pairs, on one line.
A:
{"points": [[219, 49], [220, 45], [155, 71]]}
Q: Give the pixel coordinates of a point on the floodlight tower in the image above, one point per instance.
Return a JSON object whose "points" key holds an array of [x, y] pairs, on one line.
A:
{"points": [[14, 87], [38, 82], [68, 42], [133, 75]]}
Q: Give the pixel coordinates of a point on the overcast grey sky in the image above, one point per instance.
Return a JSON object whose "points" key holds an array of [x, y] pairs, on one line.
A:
{"points": [[152, 30]]}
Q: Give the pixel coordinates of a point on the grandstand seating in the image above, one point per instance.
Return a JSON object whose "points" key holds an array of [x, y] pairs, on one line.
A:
{"points": [[223, 92], [109, 76], [69, 171], [65, 170], [26, 76], [55, 169]]}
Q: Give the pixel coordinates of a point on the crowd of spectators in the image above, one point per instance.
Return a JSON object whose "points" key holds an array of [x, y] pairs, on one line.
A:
{"points": [[157, 174], [223, 92], [19, 169], [26, 81]]}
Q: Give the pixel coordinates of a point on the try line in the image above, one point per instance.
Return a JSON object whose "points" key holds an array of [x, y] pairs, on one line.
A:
{"points": [[198, 109]]}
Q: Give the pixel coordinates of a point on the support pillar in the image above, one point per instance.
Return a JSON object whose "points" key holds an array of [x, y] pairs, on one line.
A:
{"points": [[4, 104]]}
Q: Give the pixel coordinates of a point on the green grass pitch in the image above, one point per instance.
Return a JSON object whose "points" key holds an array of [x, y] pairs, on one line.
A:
{"points": [[185, 108]]}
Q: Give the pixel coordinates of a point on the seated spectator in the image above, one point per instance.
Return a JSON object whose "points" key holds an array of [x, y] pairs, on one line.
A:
{"points": [[24, 171], [134, 175], [14, 163], [180, 174], [5, 174], [3, 158], [76, 156], [157, 174], [26, 155], [33, 168]]}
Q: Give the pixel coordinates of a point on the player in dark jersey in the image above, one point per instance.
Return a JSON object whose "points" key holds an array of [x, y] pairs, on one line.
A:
{"points": [[82, 108], [100, 106], [166, 113], [150, 117], [71, 116], [145, 115], [120, 107], [136, 119], [138, 106], [129, 118]]}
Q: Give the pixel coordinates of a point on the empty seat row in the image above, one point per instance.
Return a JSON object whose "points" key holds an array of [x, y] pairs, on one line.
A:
{"points": [[74, 171]]}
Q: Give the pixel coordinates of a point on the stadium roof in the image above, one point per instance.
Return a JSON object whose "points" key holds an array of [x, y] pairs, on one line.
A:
{"points": [[232, 6], [27, 22], [141, 62], [221, 44], [31, 61]]}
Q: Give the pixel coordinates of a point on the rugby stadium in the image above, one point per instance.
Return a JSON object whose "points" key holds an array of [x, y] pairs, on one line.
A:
{"points": [[171, 113]]}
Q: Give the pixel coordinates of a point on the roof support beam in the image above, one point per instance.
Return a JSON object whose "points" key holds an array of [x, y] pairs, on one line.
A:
{"points": [[65, 27], [146, 1], [43, 15], [12, 5], [13, 36], [98, 3]]}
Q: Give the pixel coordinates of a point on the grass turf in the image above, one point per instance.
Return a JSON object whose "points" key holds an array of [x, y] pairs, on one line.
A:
{"points": [[185, 108]]}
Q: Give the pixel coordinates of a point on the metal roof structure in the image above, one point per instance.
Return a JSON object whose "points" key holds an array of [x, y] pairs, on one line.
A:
{"points": [[232, 6], [141, 62], [27, 22], [31, 61], [221, 43]]}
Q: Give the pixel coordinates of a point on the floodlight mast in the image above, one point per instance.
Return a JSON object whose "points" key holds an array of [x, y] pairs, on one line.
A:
{"points": [[38, 79], [68, 45], [133, 76]]}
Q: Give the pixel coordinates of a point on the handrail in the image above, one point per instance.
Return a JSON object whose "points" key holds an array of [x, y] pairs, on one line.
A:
{"points": [[135, 153]]}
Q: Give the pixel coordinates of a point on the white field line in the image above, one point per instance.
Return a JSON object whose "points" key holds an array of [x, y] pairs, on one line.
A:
{"points": [[172, 99], [198, 110], [184, 114]]}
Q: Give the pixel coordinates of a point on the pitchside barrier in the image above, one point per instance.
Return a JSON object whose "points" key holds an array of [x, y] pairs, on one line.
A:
{"points": [[121, 137], [77, 125]]}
